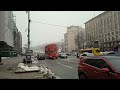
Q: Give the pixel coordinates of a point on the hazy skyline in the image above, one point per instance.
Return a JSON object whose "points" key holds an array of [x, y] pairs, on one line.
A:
{"points": [[43, 33]]}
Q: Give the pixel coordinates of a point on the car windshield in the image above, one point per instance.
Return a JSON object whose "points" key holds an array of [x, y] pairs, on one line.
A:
{"points": [[41, 54], [115, 61], [63, 54]]}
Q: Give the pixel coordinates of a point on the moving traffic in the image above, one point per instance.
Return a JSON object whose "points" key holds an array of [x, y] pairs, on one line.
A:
{"points": [[60, 45]]}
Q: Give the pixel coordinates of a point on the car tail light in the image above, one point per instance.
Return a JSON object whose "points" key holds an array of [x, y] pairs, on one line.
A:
{"points": [[50, 55]]}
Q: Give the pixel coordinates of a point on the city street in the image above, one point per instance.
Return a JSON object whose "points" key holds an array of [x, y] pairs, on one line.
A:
{"points": [[64, 68]]}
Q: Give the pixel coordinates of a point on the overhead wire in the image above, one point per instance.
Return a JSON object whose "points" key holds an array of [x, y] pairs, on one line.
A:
{"points": [[49, 24]]}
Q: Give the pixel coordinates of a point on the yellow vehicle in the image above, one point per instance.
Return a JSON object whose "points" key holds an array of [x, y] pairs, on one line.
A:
{"points": [[95, 51]]}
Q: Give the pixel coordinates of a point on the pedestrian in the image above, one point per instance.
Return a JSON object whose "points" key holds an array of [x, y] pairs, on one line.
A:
{"points": [[1, 61], [77, 55]]}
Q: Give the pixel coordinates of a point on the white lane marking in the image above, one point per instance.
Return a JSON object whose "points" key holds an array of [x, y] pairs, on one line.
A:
{"points": [[65, 65], [71, 61]]}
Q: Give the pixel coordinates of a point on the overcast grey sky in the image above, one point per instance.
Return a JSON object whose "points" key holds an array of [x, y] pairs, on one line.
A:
{"points": [[43, 33]]}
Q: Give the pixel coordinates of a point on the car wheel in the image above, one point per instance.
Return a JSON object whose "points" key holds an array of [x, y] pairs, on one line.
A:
{"points": [[81, 76]]}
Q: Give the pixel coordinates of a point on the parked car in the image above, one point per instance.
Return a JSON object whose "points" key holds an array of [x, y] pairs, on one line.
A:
{"points": [[99, 67], [62, 55], [113, 54], [41, 56], [106, 53], [68, 54], [86, 54]]}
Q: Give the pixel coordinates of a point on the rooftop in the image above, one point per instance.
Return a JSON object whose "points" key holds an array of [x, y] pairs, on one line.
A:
{"points": [[96, 17]]}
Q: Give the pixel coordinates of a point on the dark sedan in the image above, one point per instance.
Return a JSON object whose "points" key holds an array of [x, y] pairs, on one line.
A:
{"points": [[41, 56]]}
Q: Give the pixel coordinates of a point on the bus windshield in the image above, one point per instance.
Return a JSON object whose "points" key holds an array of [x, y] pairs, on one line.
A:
{"points": [[88, 51], [97, 50]]}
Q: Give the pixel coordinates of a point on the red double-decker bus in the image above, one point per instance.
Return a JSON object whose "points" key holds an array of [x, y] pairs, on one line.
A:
{"points": [[51, 51]]}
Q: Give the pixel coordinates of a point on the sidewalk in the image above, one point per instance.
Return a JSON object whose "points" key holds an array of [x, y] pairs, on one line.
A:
{"points": [[7, 70]]}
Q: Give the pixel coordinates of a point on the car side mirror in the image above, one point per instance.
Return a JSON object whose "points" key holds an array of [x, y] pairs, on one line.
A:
{"points": [[105, 69]]}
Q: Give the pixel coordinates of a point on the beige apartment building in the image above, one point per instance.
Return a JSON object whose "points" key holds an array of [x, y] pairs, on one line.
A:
{"points": [[103, 31], [80, 40], [70, 37]]}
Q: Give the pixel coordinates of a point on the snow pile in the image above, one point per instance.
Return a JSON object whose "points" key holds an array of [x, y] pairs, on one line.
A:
{"points": [[45, 73], [24, 68]]}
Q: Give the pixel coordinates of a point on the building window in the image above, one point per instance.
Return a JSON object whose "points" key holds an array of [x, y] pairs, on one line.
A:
{"points": [[105, 35], [99, 36], [113, 38], [111, 27], [116, 32], [105, 40], [112, 33], [102, 36], [108, 34], [104, 45], [108, 39], [109, 44], [116, 37], [115, 26]]}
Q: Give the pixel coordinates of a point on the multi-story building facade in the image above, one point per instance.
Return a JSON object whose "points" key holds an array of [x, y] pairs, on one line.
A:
{"points": [[15, 35], [6, 28], [20, 42], [103, 31], [8, 34], [70, 38], [80, 40], [17, 40]]}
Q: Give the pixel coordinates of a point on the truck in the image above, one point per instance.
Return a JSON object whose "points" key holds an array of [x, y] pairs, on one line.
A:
{"points": [[51, 51]]}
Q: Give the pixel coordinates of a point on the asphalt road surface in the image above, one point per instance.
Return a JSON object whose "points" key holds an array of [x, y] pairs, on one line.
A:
{"points": [[64, 68]]}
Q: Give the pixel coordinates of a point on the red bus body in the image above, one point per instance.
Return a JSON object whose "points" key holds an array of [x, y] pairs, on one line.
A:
{"points": [[51, 51]]}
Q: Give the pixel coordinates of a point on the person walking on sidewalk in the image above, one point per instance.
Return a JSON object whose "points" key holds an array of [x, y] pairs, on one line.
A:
{"points": [[77, 55], [1, 61]]}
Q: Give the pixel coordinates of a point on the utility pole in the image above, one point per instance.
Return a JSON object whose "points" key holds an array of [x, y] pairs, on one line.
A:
{"points": [[29, 30], [28, 51]]}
